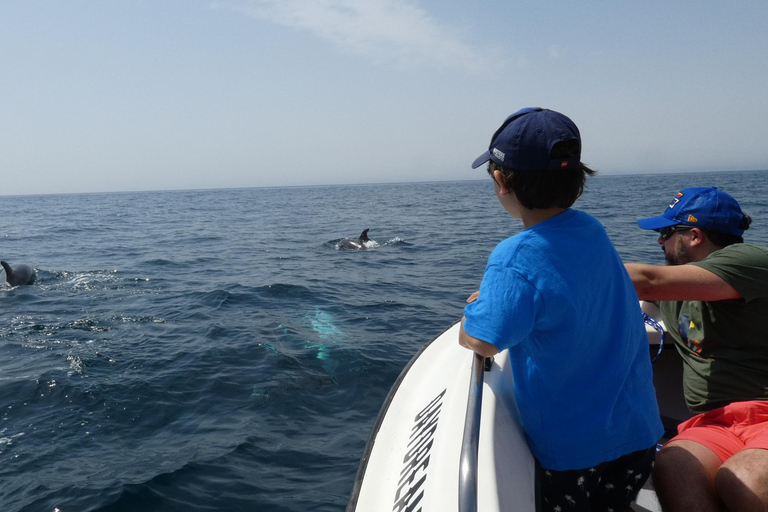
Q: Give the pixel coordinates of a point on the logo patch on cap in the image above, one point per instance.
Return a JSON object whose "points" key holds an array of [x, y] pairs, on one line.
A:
{"points": [[498, 154], [677, 200], [691, 218], [564, 164]]}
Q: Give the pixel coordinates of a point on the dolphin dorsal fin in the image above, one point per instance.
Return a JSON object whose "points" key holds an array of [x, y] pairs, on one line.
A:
{"points": [[7, 267], [364, 236]]}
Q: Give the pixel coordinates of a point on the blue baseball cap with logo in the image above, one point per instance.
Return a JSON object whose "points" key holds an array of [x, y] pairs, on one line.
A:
{"points": [[703, 207], [525, 140]]}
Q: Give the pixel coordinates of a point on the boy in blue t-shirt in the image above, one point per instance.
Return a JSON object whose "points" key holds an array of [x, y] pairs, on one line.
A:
{"points": [[558, 297]]}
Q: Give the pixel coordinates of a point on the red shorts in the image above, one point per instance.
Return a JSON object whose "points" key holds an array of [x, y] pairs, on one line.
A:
{"points": [[729, 429]]}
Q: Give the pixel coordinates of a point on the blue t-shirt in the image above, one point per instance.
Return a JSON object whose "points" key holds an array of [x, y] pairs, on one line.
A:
{"points": [[558, 297]]}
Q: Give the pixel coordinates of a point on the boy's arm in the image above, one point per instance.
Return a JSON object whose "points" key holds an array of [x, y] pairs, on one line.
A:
{"points": [[678, 282], [481, 347]]}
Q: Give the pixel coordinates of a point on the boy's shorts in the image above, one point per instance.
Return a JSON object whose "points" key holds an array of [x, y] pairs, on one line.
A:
{"points": [[730, 429], [611, 485]]}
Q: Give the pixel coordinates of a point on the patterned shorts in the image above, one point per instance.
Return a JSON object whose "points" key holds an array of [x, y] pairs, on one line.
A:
{"points": [[609, 487]]}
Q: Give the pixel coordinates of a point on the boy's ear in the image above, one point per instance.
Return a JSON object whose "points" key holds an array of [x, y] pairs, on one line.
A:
{"points": [[498, 177]]}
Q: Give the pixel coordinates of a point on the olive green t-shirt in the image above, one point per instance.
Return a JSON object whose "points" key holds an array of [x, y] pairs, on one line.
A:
{"points": [[724, 344]]}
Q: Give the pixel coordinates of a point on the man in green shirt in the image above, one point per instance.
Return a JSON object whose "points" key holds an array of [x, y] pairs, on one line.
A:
{"points": [[713, 296]]}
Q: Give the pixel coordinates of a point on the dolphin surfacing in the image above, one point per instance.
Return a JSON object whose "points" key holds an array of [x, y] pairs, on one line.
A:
{"points": [[356, 243], [19, 275]]}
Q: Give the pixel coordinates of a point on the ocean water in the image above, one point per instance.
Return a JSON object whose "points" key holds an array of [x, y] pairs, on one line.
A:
{"points": [[216, 351]]}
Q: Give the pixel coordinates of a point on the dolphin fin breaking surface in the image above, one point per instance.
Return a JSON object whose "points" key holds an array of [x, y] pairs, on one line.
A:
{"points": [[18, 275], [361, 242]]}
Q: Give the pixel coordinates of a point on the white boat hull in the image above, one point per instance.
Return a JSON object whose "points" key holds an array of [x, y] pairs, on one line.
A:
{"points": [[412, 458]]}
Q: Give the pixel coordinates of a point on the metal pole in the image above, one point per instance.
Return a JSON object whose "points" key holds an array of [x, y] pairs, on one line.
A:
{"points": [[470, 440]]}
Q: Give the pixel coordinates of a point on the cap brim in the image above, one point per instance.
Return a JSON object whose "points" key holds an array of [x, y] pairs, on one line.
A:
{"points": [[656, 222], [481, 159]]}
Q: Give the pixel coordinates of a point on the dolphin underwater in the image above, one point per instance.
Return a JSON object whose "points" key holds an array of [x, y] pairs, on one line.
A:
{"points": [[18, 275], [357, 243]]}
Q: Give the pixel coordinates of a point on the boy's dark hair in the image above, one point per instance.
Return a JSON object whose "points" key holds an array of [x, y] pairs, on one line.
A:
{"points": [[726, 239], [547, 188]]}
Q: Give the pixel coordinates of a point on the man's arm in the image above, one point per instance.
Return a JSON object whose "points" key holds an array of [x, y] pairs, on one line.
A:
{"points": [[678, 282], [483, 348]]}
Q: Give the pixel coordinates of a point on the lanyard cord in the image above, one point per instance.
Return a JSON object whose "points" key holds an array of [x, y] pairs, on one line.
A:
{"points": [[653, 323]]}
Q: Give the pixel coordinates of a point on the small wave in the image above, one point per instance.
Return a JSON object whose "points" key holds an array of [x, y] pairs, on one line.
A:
{"points": [[75, 365], [215, 299], [282, 290], [82, 281], [5, 442], [87, 324], [163, 262], [138, 319]]}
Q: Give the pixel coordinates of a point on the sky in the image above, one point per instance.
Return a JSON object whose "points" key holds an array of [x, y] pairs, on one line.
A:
{"points": [[133, 95]]}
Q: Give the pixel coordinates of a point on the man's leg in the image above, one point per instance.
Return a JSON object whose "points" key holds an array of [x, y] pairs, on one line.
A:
{"points": [[742, 481], [684, 477]]}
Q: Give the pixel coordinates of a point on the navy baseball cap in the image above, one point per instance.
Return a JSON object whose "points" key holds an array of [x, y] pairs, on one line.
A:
{"points": [[526, 138], [703, 207]]}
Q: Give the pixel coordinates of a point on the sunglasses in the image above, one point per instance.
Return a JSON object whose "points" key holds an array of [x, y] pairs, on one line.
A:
{"points": [[665, 233]]}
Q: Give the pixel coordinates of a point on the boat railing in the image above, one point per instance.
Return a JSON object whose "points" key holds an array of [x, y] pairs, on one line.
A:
{"points": [[470, 440]]}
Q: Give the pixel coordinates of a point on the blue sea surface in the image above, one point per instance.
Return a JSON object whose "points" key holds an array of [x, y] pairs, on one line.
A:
{"points": [[216, 351]]}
